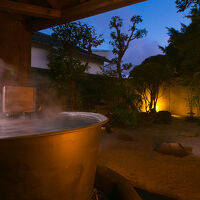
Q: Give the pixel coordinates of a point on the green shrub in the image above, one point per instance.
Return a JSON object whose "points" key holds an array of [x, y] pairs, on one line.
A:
{"points": [[122, 115], [156, 117]]}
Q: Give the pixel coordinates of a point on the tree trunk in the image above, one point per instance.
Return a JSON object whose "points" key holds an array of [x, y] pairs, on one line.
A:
{"points": [[119, 70]]}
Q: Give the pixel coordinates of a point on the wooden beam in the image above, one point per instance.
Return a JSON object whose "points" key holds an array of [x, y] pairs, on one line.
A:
{"points": [[82, 1], [52, 3], [59, 4], [28, 9], [86, 9]]}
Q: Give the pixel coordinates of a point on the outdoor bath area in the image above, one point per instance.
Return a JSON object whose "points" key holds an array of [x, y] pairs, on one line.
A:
{"points": [[99, 100]]}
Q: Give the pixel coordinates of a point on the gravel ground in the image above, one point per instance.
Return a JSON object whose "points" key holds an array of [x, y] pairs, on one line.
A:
{"points": [[130, 153]]}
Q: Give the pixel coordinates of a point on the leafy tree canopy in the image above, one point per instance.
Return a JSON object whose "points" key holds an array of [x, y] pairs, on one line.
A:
{"points": [[66, 64], [121, 41], [63, 62], [184, 49], [77, 34], [64, 70], [184, 4], [153, 71]]}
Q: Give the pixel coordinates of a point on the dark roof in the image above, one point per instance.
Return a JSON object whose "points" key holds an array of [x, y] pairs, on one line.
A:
{"points": [[46, 40], [43, 39], [101, 50]]}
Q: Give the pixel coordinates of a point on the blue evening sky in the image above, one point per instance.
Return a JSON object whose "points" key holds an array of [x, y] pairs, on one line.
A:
{"points": [[156, 14]]}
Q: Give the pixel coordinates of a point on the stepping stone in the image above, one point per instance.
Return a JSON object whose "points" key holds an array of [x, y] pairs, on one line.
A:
{"points": [[172, 148], [189, 134]]}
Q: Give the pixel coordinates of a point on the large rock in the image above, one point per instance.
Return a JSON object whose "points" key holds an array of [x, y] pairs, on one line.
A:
{"points": [[114, 186], [163, 117], [189, 134], [173, 148]]}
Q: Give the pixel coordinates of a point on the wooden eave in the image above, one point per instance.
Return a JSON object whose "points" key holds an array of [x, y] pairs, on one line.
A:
{"points": [[41, 14]]}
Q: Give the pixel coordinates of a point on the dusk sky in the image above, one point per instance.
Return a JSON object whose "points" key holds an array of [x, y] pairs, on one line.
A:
{"points": [[156, 14]]}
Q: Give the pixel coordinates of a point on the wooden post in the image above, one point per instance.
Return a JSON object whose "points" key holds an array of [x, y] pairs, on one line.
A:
{"points": [[15, 51]]}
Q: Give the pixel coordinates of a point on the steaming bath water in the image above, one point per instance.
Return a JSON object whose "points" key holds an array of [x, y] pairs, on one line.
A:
{"points": [[24, 126]]}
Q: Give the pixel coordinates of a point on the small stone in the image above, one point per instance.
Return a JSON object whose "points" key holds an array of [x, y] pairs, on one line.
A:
{"points": [[173, 148], [188, 134]]}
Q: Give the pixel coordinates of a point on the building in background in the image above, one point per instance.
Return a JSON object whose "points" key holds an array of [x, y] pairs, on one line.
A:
{"points": [[39, 54]]}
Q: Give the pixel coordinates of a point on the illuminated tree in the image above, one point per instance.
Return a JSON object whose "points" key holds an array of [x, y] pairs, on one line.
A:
{"points": [[149, 77]]}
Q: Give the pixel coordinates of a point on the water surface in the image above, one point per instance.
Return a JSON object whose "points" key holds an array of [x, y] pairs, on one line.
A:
{"points": [[22, 126]]}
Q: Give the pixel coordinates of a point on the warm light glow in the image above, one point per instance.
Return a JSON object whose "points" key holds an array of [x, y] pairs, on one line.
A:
{"points": [[172, 99], [157, 108], [161, 105], [178, 116]]}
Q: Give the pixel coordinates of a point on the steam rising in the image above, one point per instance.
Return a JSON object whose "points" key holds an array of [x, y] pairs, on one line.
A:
{"points": [[48, 121], [6, 68]]}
